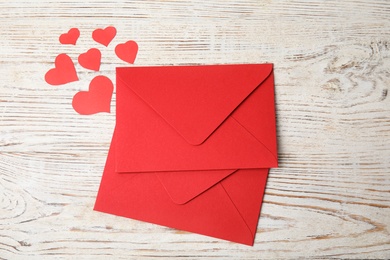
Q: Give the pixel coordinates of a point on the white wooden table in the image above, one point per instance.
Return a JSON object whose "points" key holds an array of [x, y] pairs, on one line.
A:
{"points": [[330, 198]]}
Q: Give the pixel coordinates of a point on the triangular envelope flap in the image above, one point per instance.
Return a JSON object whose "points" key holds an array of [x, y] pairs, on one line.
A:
{"points": [[185, 186], [194, 100], [253, 181]]}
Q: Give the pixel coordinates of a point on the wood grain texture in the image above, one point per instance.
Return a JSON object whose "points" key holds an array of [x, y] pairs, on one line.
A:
{"points": [[330, 198]]}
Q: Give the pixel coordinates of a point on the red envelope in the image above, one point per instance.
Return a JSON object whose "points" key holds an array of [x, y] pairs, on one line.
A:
{"points": [[193, 144]]}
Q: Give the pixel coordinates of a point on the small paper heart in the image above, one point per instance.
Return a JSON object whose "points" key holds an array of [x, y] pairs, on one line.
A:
{"points": [[70, 37], [96, 99], [90, 59], [104, 36], [63, 72], [127, 51]]}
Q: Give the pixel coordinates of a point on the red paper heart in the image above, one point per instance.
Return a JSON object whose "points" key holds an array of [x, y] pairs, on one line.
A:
{"points": [[104, 36], [64, 71], [97, 99], [127, 51], [70, 37], [90, 59]]}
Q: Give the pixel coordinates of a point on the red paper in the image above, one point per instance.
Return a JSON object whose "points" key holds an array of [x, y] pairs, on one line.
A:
{"points": [[64, 71], [90, 59], [127, 51], [163, 112], [228, 210], [192, 148], [97, 99], [70, 37], [104, 36]]}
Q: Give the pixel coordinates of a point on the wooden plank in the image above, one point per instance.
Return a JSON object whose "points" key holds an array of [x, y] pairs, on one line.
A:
{"points": [[330, 196]]}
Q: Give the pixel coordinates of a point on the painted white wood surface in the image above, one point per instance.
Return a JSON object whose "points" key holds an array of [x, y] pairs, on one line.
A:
{"points": [[330, 198]]}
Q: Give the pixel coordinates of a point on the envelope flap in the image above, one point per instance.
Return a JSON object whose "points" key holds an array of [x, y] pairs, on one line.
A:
{"points": [[182, 187], [194, 100]]}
